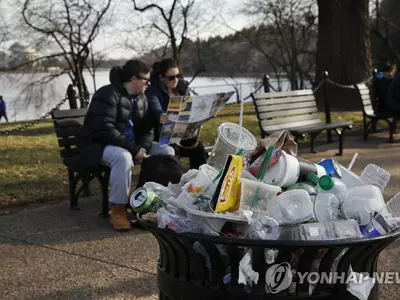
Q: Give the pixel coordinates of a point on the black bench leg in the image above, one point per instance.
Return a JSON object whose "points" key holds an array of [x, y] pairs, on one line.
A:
{"points": [[73, 197], [312, 148], [340, 134], [104, 193], [86, 188], [366, 125], [373, 126], [392, 129]]}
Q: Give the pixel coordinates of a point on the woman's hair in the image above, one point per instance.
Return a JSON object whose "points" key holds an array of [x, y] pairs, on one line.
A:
{"points": [[131, 68], [163, 66]]}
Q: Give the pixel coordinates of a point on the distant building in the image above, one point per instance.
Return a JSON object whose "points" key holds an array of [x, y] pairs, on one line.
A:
{"points": [[21, 54]]}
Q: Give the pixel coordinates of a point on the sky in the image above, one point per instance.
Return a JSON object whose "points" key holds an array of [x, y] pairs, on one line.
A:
{"points": [[217, 19], [213, 17]]}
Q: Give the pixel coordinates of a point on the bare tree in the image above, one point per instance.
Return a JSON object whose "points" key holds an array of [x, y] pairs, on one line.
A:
{"points": [[285, 34], [173, 18], [69, 28]]}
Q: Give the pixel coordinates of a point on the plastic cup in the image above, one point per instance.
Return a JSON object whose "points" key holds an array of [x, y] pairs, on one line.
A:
{"points": [[231, 138], [255, 195], [202, 185]]}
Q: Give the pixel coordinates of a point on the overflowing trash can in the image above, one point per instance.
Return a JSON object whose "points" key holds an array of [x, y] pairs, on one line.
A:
{"points": [[195, 266], [258, 222]]}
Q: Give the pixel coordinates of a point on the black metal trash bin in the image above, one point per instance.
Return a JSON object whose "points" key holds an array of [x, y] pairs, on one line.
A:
{"points": [[183, 273]]}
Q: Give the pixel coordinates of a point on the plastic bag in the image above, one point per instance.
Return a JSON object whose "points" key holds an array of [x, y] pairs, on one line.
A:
{"points": [[180, 224]]}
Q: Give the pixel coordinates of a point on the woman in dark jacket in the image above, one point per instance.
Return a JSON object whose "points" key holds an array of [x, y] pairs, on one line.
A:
{"points": [[118, 132], [167, 82]]}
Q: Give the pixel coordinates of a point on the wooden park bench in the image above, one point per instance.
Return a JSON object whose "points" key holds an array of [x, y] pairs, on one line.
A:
{"points": [[68, 126], [297, 112], [371, 117]]}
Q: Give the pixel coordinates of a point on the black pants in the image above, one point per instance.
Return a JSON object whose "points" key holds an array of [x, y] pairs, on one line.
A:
{"points": [[197, 156], [4, 115]]}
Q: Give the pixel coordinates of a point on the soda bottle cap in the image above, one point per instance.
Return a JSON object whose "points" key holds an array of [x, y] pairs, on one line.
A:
{"points": [[313, 178], [326, 183]]}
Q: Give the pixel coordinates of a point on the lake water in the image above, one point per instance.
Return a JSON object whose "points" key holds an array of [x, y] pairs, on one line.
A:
{"points": [[27, 104]]}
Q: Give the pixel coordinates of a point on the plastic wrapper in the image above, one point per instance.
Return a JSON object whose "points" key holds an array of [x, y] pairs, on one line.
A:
{"points": [[181, 224], [247, 275], [359, 285]]}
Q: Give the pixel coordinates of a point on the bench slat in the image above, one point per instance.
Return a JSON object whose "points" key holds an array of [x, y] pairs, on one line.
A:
{"points": [[68, 113], [276, 107], [68, 141], [289, 120], [366, 102], [68, 152], [69, 122], [290, 112], [291, 126], [270, 101], [282, 94], [65, 132]]}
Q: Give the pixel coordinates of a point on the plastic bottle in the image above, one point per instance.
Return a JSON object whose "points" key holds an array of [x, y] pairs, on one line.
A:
{"points": [[372, 174], [333, 186], [309, 185], [326, 207], [331, 167]]}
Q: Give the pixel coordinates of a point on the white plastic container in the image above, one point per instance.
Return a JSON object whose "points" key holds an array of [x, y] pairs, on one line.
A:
{"points": [[254, 195], [372, 174], [288, 169], [326, 207], [362, 204], [228, 143], [291, 207]]}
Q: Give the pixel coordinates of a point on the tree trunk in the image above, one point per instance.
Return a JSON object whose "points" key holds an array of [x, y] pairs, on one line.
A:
{"points": [[343, 50]]}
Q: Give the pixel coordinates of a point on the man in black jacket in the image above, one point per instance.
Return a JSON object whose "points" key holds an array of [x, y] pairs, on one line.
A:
{"points": [[118, 132]]}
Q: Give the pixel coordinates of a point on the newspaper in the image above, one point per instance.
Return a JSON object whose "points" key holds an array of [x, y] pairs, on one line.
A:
{"points": [[186, 114]]}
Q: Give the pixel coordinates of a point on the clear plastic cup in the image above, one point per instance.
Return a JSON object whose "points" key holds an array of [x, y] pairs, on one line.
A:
{"points": [[231, 138], [375, 175], [255, 195]]}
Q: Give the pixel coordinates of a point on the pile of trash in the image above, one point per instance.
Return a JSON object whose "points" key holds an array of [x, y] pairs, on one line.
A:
{"points": [[264, 191], [269, 193]]}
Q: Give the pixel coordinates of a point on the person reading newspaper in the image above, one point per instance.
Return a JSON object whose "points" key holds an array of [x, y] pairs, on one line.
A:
{"points": [[167, 82]]}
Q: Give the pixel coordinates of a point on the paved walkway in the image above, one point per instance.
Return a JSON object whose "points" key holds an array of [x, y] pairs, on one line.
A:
{"points": [[54, 253]]}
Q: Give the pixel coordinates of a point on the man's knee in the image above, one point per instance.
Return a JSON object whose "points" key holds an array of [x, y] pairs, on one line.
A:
{"points": [[124, 160]]}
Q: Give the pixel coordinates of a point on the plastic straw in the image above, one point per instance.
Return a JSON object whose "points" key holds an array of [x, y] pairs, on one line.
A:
{"points": [[352, 161], [262, 170], [241, 121]]}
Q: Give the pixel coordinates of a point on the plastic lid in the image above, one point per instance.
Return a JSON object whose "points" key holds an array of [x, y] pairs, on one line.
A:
{"points": [[326, 183], [313, 178], [230, 132]]}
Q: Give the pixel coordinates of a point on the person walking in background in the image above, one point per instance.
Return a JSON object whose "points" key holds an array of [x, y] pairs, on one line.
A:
{"points": [[3, 110], [166, 82]]}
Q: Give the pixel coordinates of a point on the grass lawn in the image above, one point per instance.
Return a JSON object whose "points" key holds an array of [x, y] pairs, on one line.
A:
{"points": [[31, 170]]}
